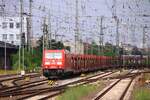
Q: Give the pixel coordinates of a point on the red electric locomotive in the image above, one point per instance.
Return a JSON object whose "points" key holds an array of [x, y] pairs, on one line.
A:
{"points": [[59, 63], [53, 62]]}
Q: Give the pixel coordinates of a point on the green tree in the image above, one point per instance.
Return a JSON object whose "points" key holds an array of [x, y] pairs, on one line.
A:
{"points": [[135, 51], [33, 59], [28, 60], [108, 49], [93, 49]]}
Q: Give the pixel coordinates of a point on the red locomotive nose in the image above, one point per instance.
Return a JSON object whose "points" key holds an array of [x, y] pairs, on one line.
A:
{"points": [[53, 59]]}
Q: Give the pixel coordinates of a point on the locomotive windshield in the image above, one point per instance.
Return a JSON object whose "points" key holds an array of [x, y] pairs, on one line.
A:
{"points": [[53, 55]]}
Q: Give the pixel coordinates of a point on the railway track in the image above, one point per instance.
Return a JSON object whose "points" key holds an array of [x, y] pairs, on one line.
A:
{"points": [[24, 91], [90, 80], [23, 86], [2, 76], [49, 95], [16, 81], [14, 77], [55, 90], [9, 90], [118, 89], [10, 75], [6, 82]]}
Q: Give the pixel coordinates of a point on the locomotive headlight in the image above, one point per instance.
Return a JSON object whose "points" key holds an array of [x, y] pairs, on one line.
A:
{"points": [[59, 63], [47, 63]]}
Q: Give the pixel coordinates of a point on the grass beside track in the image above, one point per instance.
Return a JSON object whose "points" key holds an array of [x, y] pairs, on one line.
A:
{"points": [[83, 92], [75, 93], [9, 72], [141, 94], [3, 72]]}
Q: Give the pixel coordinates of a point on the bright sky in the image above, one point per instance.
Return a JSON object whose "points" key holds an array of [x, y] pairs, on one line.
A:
{"points": [[63, 18]]}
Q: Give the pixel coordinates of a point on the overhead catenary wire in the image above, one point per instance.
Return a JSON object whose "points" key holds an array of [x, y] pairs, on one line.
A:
{"points": [[63, 21]]}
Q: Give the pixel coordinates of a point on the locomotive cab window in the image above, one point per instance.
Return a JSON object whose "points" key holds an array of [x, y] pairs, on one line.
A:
{"points": [[53, 55]]}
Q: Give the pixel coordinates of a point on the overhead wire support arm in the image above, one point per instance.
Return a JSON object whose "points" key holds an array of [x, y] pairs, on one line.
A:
{"points": [[100, 19], [30, 32], [49, 30], [21, 37], [76, 28]]}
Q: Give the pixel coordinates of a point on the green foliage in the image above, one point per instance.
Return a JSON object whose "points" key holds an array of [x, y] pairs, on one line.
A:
{"points": [[141, 94], [33, 59], [53, 44], [135, 51], [108, 49], [67, 48], [76, 93], [110, 53], [3, 72], [30, 60], [56, 45]]}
